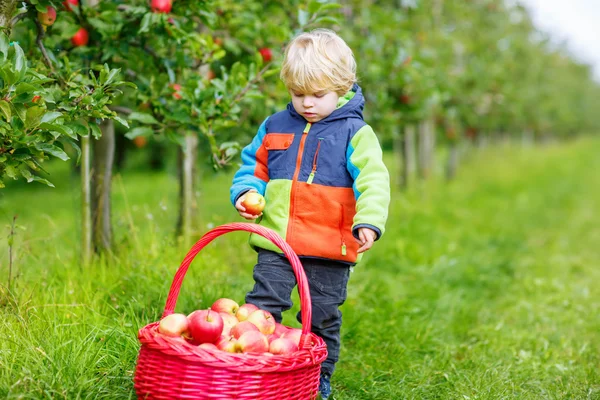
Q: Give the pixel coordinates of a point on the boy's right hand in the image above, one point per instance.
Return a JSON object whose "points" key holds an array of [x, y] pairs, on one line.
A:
{"points": [[242, 210]]}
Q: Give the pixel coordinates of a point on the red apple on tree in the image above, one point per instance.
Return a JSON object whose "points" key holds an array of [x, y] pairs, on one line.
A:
{"points": [[205, 326], [80, 38], [266, 53], [245, 310], [225, 305], [47, 18], [36, 98], [242, 327], [161, 6], [254, 203], [263, 320], [253, 342], [176, 87], [69, 5], [282, 346], [173, 325]]}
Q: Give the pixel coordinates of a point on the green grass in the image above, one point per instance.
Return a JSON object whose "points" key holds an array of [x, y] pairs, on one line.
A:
{"points": [[483, 288]]}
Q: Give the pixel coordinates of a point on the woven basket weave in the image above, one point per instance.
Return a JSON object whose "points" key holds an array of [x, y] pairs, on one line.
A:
{"points": [[171, 368]]}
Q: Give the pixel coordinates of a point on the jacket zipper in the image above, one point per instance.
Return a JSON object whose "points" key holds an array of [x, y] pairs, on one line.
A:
{"points": [[314, 167], [295, 180], [342, 231]]}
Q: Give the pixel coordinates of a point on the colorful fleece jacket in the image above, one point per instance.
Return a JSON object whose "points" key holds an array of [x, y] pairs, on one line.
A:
{"points": [[321, 181]]}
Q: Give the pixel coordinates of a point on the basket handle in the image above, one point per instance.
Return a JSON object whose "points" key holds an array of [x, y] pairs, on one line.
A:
{"points": [[303, 290]]}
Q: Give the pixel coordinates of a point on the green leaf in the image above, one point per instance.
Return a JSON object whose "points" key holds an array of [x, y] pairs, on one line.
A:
{"points": [[139, 131], [5, 107], [74, 145], [144, 118], [25, 87], [327, 20], [63, 130], [303, 17], [51, 116], [20, 63], [145, 24], [33, 117], [3, 46], [95, 129], [121, 121], [25, 173], [52, 150], [42, 180]]}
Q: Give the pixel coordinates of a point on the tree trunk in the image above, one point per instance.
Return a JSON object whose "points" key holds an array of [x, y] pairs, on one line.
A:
{"points": [[452, 164], [426, 148], [104, 150], [187, 175], [408, 155], [7, 8], [86, 216]]}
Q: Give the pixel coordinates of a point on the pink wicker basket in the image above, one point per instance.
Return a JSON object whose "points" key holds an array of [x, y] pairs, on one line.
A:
{"points": [[171, 368]]}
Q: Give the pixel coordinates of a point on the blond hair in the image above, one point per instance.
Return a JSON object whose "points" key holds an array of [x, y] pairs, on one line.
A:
{"points": [[318, 60]]}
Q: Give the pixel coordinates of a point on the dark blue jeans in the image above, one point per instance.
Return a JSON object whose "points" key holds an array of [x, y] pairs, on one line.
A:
{"points": [[328, 280]]}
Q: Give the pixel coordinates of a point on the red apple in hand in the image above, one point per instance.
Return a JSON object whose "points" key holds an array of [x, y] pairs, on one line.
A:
{"points": [[282, 346], [205, 326], [254, 203], [161, 6], [242, 327], [244, 311], [225, 305], [263, 320], [47, 18], [253, 342], [173, 325], [266, 53], [80, 38]]}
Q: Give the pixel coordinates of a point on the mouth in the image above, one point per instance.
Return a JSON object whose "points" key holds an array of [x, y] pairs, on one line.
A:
{"points": [[309, 114]]}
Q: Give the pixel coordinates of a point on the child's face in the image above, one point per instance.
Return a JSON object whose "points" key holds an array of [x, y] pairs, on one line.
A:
{"points": [[314, 106]]}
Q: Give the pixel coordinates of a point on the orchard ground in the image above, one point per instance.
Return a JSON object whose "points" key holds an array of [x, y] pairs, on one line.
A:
{"points": [[483, 288]]}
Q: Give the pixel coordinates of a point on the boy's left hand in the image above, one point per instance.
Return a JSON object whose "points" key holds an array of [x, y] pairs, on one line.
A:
{"points": [[366, 238]]}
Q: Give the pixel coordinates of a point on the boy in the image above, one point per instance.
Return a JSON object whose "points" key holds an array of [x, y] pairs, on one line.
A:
{"points": [[320, 168]]}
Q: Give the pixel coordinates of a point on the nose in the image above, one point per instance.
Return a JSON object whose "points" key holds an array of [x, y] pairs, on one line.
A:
{"points": [[307, 102]]}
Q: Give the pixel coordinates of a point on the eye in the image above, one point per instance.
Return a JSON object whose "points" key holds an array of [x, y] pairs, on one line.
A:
{"points": [[319, 95], [298, 94]]}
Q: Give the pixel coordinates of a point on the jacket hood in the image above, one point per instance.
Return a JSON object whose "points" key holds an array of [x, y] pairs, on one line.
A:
{"points": [[352, 109]]}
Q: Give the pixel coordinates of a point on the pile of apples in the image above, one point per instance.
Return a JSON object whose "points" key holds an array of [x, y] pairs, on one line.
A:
{"points": [[229, 327]]}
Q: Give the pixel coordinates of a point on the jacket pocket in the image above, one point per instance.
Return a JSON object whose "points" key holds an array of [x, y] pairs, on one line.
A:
{"points": [[278, 141]]}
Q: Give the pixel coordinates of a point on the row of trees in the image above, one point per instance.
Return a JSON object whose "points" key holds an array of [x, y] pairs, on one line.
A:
{"points": [[204, 74]]}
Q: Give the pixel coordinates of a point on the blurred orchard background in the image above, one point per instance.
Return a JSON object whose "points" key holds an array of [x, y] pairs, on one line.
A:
{"points": [[122, 122]]}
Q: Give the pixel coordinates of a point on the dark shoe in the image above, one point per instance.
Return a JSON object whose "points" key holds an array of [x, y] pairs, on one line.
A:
{"points": [[325, 386]]}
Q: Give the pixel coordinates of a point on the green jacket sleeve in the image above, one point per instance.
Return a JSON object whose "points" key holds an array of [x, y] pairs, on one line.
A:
{"points": [[371, 181]]}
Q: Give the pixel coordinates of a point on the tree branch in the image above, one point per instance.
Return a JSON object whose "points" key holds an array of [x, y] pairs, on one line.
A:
{"points": [[121, 109], [40, 43]]}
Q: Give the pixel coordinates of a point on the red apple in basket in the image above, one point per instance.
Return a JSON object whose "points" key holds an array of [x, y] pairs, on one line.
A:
{"points": [[205, 326], [229, 321], [173, 325], [228, 344], [253, 342], [242, 327], [208, 346], [244, 311], [225, 305], [254, 203], [280, 329], [293, 334], [263, 320], [282, 346]]}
